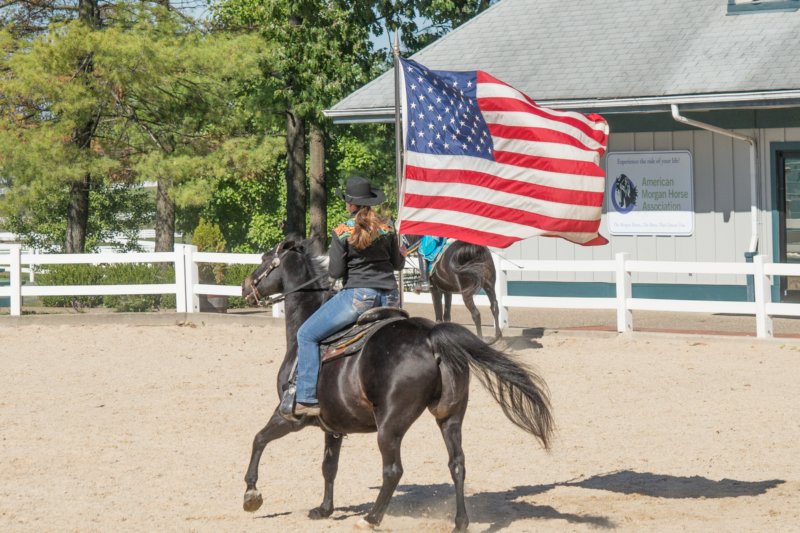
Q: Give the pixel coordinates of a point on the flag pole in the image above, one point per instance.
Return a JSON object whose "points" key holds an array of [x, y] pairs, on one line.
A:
{"points": [[398, 140]]}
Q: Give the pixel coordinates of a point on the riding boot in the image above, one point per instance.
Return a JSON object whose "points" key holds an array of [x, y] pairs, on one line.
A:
{"points": [[423, 285], [286, 407]]}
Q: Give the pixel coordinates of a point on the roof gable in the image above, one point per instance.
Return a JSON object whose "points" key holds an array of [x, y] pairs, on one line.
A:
{"points": [[561, 50]]}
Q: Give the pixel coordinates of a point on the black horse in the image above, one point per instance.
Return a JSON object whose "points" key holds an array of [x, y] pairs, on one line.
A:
{"points": [[405, 367], [463, 268]]}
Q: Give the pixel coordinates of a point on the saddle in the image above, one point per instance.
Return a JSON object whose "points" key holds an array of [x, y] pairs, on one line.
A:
{"points": [[350, 340], [341, 344], [433, 264]]}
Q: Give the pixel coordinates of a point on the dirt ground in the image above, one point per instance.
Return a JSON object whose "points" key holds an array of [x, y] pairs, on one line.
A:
{"points": [[115, 427]]}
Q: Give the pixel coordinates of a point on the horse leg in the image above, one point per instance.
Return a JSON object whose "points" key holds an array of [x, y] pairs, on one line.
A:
{"points": [[489, 290], [451, 431], [473, 310], [330, 466], [436, 295], [392, 427], [448, 301], [276, 428]]}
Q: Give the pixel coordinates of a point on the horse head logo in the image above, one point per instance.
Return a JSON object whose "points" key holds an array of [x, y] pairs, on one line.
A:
{"points": [[624, 194]]}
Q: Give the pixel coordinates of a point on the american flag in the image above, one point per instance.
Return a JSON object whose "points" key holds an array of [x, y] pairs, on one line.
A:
{"points": [[486, 165]]}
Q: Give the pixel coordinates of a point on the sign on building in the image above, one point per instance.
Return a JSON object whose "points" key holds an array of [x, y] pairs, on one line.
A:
{"points": [[650, 193]]}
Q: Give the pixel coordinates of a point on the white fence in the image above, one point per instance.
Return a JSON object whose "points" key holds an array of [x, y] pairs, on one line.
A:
{"points": [[185, 258], [187, 287]]}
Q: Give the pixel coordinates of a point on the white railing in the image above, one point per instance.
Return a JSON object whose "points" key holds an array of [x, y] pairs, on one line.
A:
{"points": [[184, 259], [187, 288], [622, 268]]}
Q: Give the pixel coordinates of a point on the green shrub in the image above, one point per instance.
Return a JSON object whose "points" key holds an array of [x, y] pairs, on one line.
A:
{"points": [[71, 275], [139, 274], [208, 238], [235, 275]]}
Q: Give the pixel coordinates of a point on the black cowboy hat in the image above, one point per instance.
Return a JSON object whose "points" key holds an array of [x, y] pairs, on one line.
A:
{"points": [[358, 191]]}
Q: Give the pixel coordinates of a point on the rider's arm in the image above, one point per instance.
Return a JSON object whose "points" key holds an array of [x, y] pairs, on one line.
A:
{"points": [[337, 255], [395, 254]]}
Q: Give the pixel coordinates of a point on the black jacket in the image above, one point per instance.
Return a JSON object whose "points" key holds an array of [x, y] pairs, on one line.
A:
{"points": [[373, 267]]}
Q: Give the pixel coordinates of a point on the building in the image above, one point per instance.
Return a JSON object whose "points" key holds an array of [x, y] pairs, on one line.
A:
{"points": [[703, 101]]}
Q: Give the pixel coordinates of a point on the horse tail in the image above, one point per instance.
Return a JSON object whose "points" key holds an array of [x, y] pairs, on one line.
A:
{"points": [[521, 393], [468, 262]]}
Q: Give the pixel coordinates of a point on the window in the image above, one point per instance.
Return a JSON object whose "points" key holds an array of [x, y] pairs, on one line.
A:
{"points": [[739, 7]]}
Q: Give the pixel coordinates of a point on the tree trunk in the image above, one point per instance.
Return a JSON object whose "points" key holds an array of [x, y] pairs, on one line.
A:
{"points": [[165, 216], [319, 197], [77, 216], [78, 210], [295, 176]]}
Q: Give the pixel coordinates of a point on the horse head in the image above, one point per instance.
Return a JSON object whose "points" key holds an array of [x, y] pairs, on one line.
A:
{"points": [[289, 267], [268, 278]]}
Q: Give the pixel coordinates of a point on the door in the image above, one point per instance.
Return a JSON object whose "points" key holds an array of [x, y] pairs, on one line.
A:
{"points": [[789, 209]]}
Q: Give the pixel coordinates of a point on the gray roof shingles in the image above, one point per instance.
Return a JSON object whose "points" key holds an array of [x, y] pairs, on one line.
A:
{"points": [[606, 49]]}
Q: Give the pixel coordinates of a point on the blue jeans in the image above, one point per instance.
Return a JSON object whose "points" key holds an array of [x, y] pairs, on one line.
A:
{"points": [[338, 312]]}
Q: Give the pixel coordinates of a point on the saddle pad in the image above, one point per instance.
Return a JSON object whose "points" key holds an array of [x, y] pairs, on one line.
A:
{"points": [[351, 340]]}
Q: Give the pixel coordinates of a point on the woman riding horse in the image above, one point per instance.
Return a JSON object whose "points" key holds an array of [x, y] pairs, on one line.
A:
{"points": [[364, 252], [405, 367]]}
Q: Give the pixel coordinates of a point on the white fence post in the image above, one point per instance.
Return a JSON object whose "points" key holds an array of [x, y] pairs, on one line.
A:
{"points": [[624, 291], [191, 278], [763, 297], [32, 269], [15, 268], [180, 278], [501, 291], [278, 310]]}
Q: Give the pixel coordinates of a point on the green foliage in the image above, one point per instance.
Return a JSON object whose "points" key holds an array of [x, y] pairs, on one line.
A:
{"points": [[248, 201], [71, 275], [208, 238], [236, 275], [319, 50], [114, 274], [38, 216], [138, 274], [168, 100]]}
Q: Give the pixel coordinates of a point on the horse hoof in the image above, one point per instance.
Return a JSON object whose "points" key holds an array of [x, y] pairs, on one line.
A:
{"points": [[252, 500], [318, 513], [363, 525]]}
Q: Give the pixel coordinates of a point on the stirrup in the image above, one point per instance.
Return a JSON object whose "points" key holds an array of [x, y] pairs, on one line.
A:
{"points": [[286, 408]]}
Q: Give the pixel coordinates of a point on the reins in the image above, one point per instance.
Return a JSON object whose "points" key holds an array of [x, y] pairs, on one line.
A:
{"points": [[275, 263], [300, 288]]}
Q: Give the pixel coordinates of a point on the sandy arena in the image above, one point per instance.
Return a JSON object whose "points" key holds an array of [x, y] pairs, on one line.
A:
{"points": [[109, 427]]}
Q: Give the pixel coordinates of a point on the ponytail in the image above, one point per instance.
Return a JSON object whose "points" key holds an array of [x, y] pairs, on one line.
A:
{"points": [[366, 228]]}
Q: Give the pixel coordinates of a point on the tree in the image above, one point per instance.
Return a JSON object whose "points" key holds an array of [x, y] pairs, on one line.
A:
{"points": [[163, 99], [320, 51]]}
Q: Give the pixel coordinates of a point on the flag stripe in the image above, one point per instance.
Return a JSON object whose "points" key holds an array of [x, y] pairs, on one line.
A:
{"points": [[492, 87], [559, 166], [498, 215], [514, 187], [472, 235], [425, 219], [540, 135], [574, 182], [529, 120], [547, 207], [506, 105], [550, 150]]}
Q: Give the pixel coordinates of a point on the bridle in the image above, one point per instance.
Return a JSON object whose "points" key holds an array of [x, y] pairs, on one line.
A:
{"points": [[275, 263]]}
